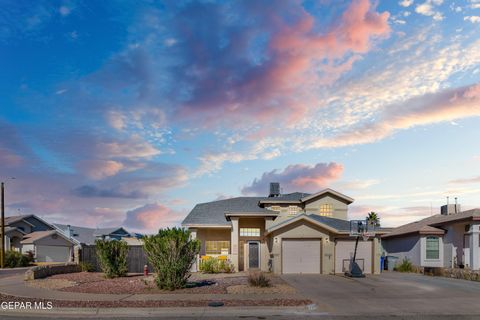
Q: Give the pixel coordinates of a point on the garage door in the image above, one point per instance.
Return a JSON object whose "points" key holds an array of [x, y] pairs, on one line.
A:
{"points": [[344, 250], [52, 254], [301, 256]]}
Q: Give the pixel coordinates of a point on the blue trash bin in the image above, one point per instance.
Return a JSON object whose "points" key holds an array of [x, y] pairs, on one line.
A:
{"points": [[382, 263]]}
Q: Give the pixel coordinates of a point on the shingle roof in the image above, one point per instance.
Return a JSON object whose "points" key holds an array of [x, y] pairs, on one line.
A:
{"points": [[339, 224], [37, 235], [86, 235], [432, 223]]}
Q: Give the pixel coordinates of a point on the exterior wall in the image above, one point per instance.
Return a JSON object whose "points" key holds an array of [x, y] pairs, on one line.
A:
{"points": [[454, 242], [51, 241], [424, 262], [404, 247], [340, 208], [344, 250], [283, 213], [474, 237], [328, 256], [28, 247], [296, 230]]}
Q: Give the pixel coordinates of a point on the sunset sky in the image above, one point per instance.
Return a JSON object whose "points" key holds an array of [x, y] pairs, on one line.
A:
{"points": [[129, 112]]}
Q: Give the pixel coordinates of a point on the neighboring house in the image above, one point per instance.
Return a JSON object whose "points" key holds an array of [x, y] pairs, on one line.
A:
{"points": [[87, 236], [283, 233], [31, 233], [449, 239]]}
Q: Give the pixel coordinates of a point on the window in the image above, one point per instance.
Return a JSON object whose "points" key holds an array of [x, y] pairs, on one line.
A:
{"points": [[433, 248], [249, 232], [326, 209], [275, 208], [292, 210], [217, 247]]}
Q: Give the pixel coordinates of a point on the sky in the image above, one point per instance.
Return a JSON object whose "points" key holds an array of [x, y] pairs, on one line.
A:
{"points": [[131, 112]]}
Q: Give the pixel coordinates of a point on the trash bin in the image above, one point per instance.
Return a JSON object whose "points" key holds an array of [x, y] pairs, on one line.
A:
{"points": [[391, 262], [382, 263]]}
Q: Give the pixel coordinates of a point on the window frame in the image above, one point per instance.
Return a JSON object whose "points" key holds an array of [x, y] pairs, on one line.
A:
{"points": [[293, 212], [427, 250], [250, 232], [218, 244], [325, 210]]}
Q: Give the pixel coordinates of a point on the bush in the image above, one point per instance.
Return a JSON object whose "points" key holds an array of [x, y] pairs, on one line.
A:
{"points": [[258, 279], [405, 266], [14, 259], [172, 254], [87, 267], [216, 265], [112, 255]]}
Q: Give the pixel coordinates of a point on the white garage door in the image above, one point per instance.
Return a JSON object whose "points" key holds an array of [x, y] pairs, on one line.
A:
{"points": [[52, 254], [301, 256], [344, 250]]}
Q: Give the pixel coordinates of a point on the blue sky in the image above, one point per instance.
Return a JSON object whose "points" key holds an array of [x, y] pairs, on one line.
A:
{"points": [[131, 113]]}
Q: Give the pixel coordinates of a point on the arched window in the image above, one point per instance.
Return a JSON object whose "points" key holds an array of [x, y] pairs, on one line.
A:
{"points": [[433, 248]]}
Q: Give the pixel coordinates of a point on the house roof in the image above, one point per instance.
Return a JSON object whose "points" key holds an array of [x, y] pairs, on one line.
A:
{"points": [[87, 235], [433, 224], [37, 235], [347, 199], [12, 219]]}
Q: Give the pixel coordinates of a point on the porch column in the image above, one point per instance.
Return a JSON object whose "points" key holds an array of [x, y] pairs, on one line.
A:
{"points": [[376, 255], [474, 246], [234, 243], [193, 236]]}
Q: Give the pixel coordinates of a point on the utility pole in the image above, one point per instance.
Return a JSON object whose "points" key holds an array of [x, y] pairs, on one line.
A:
{"points": [[2, 254]]}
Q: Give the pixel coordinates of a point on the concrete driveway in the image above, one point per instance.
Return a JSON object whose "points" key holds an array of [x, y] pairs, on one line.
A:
{"points": [[390, 293]]}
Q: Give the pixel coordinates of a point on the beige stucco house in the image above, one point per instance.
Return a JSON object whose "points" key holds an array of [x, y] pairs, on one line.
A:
{"points": [[283, 233]]}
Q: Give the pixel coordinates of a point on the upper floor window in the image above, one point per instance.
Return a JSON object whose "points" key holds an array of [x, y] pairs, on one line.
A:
{"points": [[433, 248], [292, 210], [326, 209], [275, 208], [249, 232]]}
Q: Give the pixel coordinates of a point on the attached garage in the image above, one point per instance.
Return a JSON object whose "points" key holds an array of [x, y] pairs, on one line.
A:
{"points": [[301, 256], [52, 254], [344, 250], [48, 246]]}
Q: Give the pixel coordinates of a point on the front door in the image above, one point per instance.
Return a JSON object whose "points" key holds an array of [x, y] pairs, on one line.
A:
{"points": [[253, 255]]}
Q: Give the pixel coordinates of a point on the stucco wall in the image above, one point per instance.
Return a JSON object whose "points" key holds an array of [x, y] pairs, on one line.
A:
{"points": [[243, 247], [454, 236], [403, 247], [204, 234], [53, 241], [297, 230], [340, 209]]}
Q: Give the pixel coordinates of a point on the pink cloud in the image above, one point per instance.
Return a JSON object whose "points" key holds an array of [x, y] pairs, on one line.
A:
{"points": [[151, 217], [99, 169], [297, 177]]}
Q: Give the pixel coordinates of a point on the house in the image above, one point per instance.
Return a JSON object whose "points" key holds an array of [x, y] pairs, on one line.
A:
{"points": [[283, 233], [449, 239], [26, 233], [87, 236]]}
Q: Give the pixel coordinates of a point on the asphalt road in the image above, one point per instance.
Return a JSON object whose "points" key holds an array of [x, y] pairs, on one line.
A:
{"points": [[7, 272]]}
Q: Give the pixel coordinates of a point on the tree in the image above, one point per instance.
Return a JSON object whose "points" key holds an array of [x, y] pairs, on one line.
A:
{"points": [[172, 253], [112, 255], [373, 219]]}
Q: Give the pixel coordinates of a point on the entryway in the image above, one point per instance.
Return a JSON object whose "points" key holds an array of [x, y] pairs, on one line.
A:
{"points": [[253, 255]]}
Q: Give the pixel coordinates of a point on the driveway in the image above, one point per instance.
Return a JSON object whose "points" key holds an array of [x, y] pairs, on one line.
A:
{"points": [[390, 293], [8, 272]]}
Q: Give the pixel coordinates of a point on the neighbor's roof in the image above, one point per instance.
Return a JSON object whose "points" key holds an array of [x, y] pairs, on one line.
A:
{"points": [[37, 235], [87, 235], [13, 219], [12, 229], [433, 224]]}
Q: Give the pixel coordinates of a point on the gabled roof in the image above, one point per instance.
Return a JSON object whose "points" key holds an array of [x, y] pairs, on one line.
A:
{"points": [[13, 229], [87, 235], [433, 224], [37, 235], [13, 219], [331, 224], [347, 199]]}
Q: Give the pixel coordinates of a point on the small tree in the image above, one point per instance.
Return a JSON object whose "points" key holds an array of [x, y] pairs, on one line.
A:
{"points": [[112, 255], [172, 253], [373, 218]]}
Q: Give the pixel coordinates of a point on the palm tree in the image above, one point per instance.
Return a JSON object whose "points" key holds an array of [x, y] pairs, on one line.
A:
{"points": [[373, 218]]}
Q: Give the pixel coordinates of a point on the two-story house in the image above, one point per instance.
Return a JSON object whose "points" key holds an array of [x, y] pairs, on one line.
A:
{"points": [[283, 233]]}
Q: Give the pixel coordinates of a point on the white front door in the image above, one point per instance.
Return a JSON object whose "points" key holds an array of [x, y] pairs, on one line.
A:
{"points": [[301, 255]]}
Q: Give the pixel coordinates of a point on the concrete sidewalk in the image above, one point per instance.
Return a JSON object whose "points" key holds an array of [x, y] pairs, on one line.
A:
{"points": [[16, 286]]}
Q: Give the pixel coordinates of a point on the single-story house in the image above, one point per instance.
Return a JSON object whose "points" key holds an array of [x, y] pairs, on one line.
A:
{"points": [[449, 239], [48, 246], [283, 233], [31, 233]]}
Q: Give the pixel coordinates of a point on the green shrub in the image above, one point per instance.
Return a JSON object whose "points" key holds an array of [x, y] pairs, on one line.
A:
{"points": [[258, 279], [15, 259], [112, 255], [87, 267], [405, 266], [172, 254], [216, 265]]}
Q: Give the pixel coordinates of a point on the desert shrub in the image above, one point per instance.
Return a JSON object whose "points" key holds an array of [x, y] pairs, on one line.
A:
{"points": [[258, 279], [87, 267], [112, 255], [216, 265], [15, 259], [172, 253], [405, 266]]}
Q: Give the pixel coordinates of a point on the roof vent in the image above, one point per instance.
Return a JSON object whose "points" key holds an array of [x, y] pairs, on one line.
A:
{"points": [[274, 189], [450, 208]]}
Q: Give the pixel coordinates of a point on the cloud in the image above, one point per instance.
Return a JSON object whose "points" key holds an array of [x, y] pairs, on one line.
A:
{"points": [[406, 3], [466, 181], [472, 19], [64, 11], [99, 169], [152, 217], [88, 191], [428, 9], [297, 177]]}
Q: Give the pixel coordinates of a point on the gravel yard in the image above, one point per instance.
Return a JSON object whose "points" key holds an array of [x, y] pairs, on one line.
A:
{"points": [[94, 282]]}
